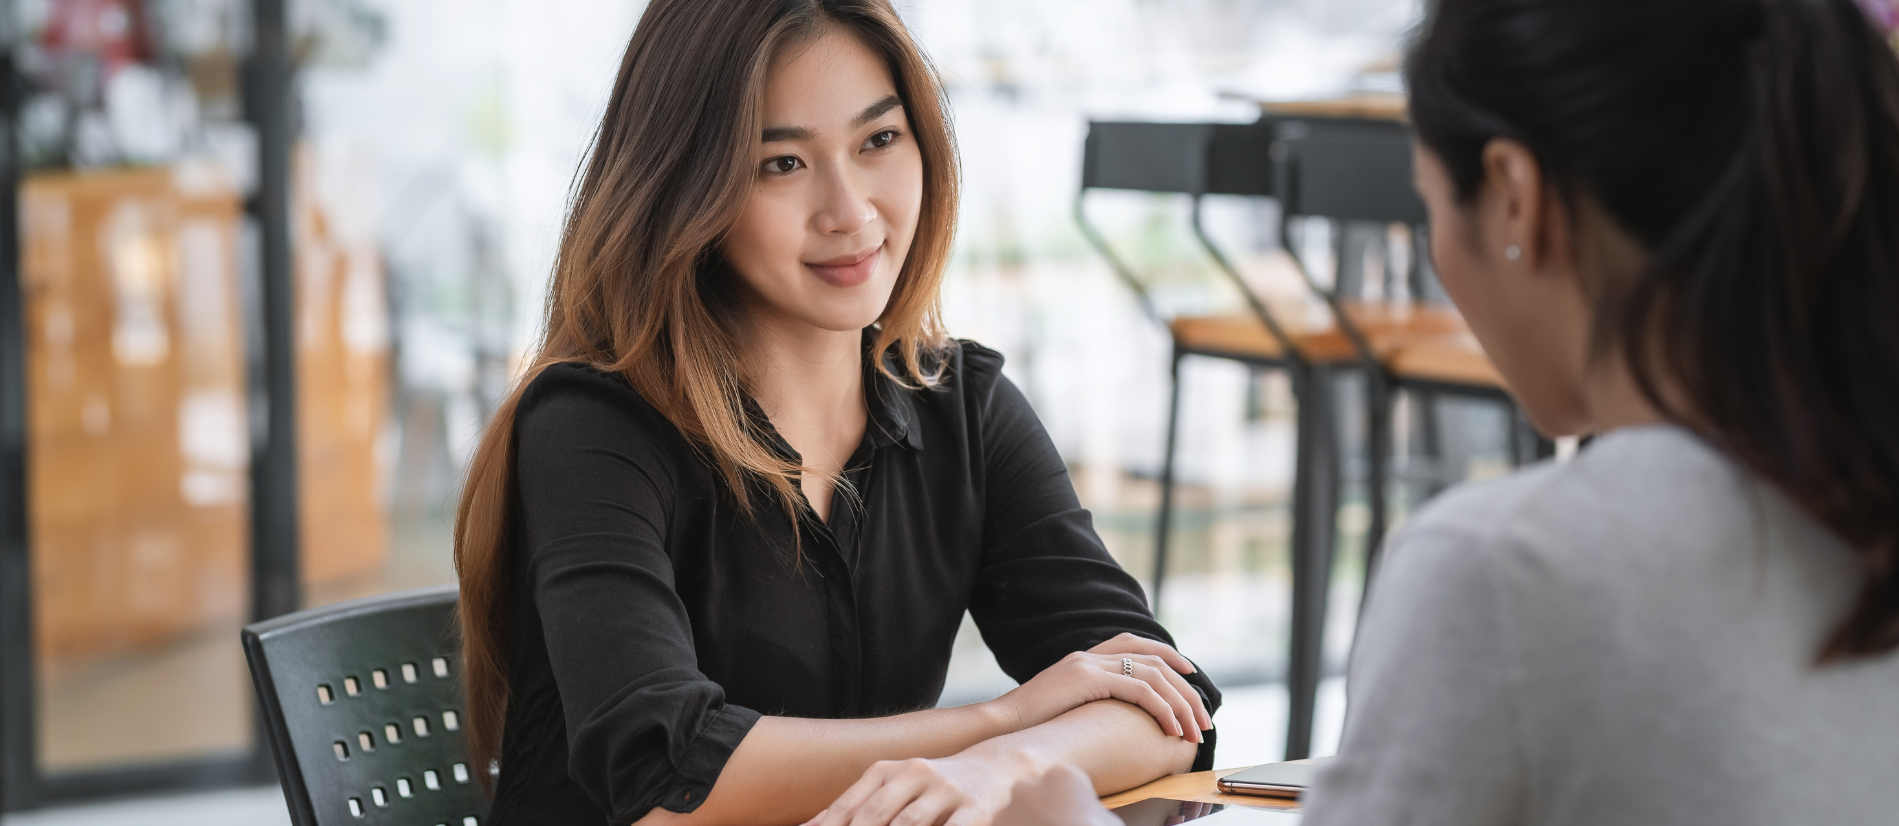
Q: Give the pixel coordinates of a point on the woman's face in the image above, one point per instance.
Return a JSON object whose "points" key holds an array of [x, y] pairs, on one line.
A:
{"points": [[838, 187]]}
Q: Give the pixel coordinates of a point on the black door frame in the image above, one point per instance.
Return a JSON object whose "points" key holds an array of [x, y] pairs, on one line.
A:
{"points": [[269, 106]]}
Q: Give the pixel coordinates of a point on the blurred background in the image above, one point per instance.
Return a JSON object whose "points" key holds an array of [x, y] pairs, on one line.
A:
{"points": [[424, 151]]}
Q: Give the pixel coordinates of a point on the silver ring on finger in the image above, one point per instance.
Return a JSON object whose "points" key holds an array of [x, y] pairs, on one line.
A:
{"points": [[1127, 667]]}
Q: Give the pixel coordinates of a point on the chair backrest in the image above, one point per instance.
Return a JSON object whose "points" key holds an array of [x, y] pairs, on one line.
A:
{"points": [[1239, 159], [1149, 157], [1347, 170], [1357, 174], [363, 701], [1185, 158]]}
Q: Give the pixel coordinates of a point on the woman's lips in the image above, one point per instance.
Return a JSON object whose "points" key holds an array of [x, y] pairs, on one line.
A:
{"points": [[850, 270]]}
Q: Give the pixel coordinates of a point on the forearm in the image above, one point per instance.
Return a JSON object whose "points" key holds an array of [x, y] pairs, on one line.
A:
{"points": [[788, 769], [1118, 745]]}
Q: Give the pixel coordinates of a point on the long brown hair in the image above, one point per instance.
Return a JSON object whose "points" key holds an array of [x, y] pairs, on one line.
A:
{"points": [[1753, 147], [640, 288]]}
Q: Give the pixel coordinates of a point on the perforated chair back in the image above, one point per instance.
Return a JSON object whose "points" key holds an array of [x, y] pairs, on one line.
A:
{"points": [[363, 701]]}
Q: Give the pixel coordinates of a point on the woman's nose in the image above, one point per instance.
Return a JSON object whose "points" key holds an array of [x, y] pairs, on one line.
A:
{"points": [[845, 208]]}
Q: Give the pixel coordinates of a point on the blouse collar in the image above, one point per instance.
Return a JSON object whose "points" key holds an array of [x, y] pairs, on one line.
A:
{"points": [[892, 407]]}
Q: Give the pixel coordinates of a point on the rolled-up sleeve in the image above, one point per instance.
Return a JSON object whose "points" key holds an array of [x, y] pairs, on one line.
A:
{"points": [[1048, 587], [645, 728]]}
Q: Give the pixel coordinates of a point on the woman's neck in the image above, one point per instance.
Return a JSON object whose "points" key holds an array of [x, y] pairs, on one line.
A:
{"points": [[803, 371], [810, 383], [1616, 400]]}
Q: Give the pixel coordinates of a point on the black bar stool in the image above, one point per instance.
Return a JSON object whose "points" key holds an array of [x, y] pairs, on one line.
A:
{"points": [[1351, 173], [1226, 159], [1359, 173]]}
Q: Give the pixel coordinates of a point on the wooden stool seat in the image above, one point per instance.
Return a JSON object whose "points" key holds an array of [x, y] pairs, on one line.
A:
{"points": [[1387, 327], [1425, 343], [1238, 335], [1454, 359]]}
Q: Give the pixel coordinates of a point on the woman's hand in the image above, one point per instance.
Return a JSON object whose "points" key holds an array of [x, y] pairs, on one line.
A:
{"points": [[1171, 665], [965, 790], [1097, 674]]}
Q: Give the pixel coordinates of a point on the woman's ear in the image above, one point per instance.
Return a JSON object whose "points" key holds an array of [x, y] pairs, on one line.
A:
{"points": [[1520, 214]]}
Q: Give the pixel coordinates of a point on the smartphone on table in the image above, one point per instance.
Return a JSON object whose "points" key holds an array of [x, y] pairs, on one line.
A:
{"points": [[1285, 780]]}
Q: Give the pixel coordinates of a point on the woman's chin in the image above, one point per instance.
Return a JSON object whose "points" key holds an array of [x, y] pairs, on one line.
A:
{"points": [[852, 308], [839, 319], [818, 305]]}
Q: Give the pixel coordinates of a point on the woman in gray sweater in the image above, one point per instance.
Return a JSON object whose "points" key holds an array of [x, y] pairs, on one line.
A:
{"points": [[1673, 224]]}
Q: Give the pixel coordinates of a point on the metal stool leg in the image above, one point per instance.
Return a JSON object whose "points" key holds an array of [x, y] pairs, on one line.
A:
{"points": [[1431, 441], [1543, 448], [1378, 404], [1516, 434], [1165, 521], [1315, 500]]}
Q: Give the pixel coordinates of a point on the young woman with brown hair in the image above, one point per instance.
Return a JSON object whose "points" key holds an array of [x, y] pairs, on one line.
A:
{"points": [[715, 548]]}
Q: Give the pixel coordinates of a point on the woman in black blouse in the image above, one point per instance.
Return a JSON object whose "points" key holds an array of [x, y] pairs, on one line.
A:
{"points": [[716, 547]]}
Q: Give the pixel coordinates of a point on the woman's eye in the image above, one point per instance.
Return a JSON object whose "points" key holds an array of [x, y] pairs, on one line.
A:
{"points": [[882, 139], [783, 165]]}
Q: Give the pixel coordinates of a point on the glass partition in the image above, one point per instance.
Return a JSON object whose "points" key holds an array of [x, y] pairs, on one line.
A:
{"points": [[141, 318], [138, 462]]}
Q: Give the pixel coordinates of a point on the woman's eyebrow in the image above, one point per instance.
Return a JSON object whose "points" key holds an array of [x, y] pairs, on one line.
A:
{"points": [[774, 134], [876, 110]]}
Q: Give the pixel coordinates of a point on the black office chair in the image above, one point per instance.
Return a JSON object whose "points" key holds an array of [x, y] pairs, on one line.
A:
{"points": [[363, 702]]}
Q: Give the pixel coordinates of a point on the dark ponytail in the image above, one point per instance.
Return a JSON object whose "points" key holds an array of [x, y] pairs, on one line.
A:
{"points": [[1753, 147]]}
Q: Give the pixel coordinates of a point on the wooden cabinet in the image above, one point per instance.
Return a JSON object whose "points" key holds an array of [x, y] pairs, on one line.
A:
{"points": [[137, 452]]}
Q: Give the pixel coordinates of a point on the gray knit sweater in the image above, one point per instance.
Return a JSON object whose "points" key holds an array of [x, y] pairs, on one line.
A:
{"points": [[1628, 638]]}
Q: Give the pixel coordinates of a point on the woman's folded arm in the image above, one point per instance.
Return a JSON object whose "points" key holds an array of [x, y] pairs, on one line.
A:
{"points": [[787, 770], [1116, 745]]}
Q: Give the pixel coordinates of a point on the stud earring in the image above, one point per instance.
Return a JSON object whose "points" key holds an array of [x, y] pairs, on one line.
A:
{"points": [[1513, 252]]}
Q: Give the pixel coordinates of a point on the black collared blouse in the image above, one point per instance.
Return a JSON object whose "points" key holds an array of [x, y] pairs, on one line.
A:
{"points": [[653, 623]]}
